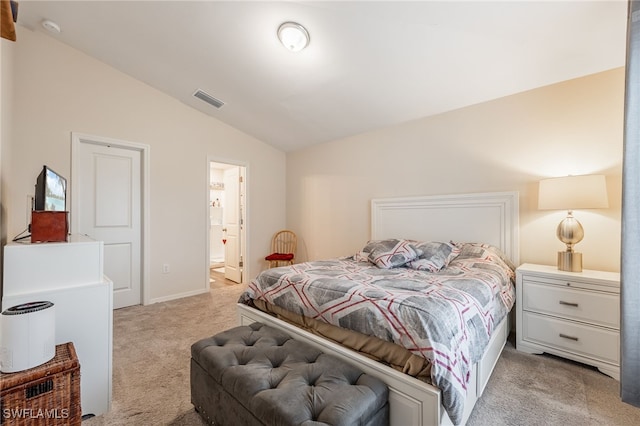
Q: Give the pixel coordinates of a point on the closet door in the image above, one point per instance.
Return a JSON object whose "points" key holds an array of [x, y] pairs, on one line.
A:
{"points": [[108, 187]]}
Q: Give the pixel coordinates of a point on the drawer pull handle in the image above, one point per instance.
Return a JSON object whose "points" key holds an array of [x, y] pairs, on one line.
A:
{"points": [[564, 336], [575, 305]]}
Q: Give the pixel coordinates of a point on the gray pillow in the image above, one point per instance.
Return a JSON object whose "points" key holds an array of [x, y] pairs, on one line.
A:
{"points": [[435, 256], [483, 250], [390, 253]]}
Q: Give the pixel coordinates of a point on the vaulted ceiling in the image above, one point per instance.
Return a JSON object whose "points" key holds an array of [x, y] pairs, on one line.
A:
{"points": [[370, 64]]}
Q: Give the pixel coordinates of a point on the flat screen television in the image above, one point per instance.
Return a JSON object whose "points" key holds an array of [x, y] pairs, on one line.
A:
{"points": [[51, 191]]}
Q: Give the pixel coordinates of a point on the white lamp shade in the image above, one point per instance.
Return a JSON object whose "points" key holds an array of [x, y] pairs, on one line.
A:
{"points": [[573, 192]]}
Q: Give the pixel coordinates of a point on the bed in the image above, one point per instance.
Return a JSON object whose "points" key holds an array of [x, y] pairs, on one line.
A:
{"points": [[435, 353]]}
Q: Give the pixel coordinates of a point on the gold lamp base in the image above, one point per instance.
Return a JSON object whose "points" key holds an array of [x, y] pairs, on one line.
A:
{"points": [[570, 261]]}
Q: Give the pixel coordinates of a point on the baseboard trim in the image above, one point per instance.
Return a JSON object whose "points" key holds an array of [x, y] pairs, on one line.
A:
{"points": [[177, 296]]}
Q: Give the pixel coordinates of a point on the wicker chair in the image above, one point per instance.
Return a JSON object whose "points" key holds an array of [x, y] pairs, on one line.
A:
{"points": [[283, 248]]}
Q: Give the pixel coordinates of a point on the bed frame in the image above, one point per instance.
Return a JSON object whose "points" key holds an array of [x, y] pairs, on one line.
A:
{"points": [[484, 217]]}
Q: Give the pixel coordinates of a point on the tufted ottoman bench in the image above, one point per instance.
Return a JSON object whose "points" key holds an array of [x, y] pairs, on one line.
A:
{"points": [[257, 375]]}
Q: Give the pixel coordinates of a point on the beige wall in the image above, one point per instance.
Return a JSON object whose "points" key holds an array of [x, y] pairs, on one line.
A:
{"points": [[574, 127], [6, 128], [59, 90]]}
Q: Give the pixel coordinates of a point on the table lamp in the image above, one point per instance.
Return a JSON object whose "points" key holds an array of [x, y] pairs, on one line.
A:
{"points": [[571, 193]]}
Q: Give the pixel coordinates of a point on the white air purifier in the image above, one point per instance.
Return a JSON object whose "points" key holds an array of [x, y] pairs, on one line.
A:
{"points": [[27, 336]]}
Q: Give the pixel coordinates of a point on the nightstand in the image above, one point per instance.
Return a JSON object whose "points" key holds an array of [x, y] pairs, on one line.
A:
{"points": [[575, 315]]}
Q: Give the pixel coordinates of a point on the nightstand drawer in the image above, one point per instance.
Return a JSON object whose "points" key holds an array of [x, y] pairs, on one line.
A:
{"points": [[579, 282], [577, 304], [593, 342]]}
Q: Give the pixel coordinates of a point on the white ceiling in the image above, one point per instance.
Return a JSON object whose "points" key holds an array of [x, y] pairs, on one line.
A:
{"points": [[370, 64]]}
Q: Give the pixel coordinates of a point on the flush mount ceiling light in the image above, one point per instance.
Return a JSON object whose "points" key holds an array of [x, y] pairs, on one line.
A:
{"points": [[293, 36]]}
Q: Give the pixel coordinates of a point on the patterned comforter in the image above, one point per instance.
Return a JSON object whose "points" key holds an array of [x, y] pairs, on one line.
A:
{"points": [[446, 317]]}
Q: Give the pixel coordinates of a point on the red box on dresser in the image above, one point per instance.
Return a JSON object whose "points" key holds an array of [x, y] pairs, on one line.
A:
{"points": [[49, 226]]}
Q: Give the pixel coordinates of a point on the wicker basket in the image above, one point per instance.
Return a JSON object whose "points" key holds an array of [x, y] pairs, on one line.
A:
{"points": [[45, 395]]}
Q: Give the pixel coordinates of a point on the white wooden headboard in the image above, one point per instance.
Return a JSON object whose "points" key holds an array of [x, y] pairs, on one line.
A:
{"points": [[490, 217]]}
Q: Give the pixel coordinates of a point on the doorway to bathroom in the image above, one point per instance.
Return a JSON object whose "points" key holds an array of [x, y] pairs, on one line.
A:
{"points": [[227, 224]]}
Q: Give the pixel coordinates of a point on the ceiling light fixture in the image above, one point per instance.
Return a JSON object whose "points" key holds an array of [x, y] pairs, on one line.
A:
{"points": [[293, 36]]}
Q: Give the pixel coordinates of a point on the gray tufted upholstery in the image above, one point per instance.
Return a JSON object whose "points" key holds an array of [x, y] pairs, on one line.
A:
{"points": [[257, 375]]}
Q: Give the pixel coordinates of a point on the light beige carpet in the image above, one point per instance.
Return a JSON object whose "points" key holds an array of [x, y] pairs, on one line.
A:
{"points": [[546, 390], [151, 373], [151, 353]]}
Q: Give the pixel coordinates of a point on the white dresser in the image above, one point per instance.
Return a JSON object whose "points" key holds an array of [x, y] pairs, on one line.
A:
{"points": [[69, 274], [574, 315]]}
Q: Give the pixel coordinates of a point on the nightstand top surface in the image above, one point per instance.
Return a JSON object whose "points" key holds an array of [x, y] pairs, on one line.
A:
{"points": [[586, 273]]}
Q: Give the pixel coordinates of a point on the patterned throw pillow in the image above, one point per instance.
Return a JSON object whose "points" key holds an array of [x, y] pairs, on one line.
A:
{"points": [[482, 250], [391, 253], [434, 257], [361, 256]]}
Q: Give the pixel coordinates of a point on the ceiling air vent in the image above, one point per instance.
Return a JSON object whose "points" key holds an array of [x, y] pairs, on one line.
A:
{"points": [[217, 103]]}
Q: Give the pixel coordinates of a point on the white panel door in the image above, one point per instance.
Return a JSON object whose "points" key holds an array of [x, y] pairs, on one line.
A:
{"points": [[233, 225], [109, 209]]}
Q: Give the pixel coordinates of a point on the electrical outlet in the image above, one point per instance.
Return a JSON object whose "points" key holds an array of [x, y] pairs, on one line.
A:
{"points": [[165, 268]]}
